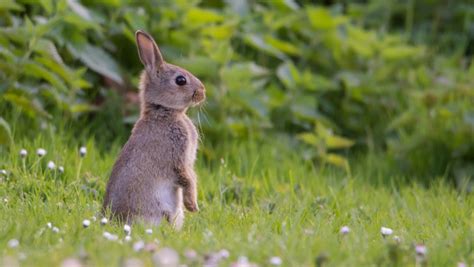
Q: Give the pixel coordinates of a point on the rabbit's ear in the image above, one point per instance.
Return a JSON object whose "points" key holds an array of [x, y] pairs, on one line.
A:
{"points": [[148, 51]]}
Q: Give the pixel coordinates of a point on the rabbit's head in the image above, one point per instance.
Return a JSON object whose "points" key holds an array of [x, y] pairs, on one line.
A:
{"points": [[163, 83]]}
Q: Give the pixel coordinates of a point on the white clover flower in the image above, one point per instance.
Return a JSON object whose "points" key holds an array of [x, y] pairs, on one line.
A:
{"points": [[55, 229], [82, 151], [345, 230], [110, 236], [128, 238], [22, 256], [139, 245], [386, 231], [61, 169], [106, 235], [166, 257], [4, 172], [127, 229], [86, 223], [462, 264], [50, 225], [51, 165], [191, 254], [13, 243], [275, 261], [397, 239], [421, 250], [71, 262], [149, 231], [41, 152], [104, 221], [224, 253], [23, 153]]}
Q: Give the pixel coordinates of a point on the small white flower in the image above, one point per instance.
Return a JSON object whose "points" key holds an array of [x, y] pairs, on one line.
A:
{"points": [[51, 165], [50, 225], [55, 229], [149, 231], [110, 236], [191, 254], [139, 245], [397, 239], [5, 200], [386, 231], [13, 243], [86, 223], [71, 262], [22, 256], [345, 230], [128, 238], [61, 169], [4, 172], [462, 264], [243, 260], [275, 261], [127, 229], [23, 153], [106, 235], [82, 151], [224, 253], [308, 231], [166, 257], [104, 221], [41, 152], [94, 218], [421, 250]]}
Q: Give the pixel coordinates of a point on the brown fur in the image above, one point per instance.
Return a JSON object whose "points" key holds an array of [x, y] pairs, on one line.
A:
{"points": [[153, 176]]}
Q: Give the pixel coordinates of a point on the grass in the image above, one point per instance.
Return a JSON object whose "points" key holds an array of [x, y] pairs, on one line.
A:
{"points": [[257, 200]]}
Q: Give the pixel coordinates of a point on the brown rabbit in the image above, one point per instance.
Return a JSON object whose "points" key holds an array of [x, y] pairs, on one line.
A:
{"points": [[154, 174]]}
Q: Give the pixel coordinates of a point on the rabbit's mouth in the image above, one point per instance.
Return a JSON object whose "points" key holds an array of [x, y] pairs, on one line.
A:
{"points": [[198, 96]]}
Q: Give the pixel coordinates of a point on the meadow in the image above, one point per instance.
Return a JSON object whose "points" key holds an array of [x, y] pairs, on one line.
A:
{"points": [[258, 202]]}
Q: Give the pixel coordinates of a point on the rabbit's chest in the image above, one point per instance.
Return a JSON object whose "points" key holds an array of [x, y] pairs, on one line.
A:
{"points": [[191, 142]]}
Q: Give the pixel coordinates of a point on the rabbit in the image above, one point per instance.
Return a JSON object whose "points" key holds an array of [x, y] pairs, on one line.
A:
{"points": [[154, 175]]}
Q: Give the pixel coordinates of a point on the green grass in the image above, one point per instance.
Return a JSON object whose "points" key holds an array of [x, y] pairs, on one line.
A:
{"points": [[260, 200]]}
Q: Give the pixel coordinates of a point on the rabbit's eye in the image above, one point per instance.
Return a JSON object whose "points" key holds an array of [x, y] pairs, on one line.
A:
{"points": [[180, 80]]}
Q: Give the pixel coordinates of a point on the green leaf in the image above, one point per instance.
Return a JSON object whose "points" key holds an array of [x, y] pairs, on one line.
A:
{"points": [[258, 43], [309, 138], [283, 46], [31, 107], [36, 70], [98, 60], [10, 5], [320, 18], [81, 108], [288, 74], [199, 66], [47, 5], [79, 9], [198, 16], [336, 160], [5, 133], [337, 142], [219, 32], [401, 52]]}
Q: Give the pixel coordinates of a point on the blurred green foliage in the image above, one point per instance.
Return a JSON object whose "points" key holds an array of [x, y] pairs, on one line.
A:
{"points": [[392, 76]]}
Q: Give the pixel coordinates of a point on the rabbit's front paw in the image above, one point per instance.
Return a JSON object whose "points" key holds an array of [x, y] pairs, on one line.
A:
{"points": [[191, 204]]}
